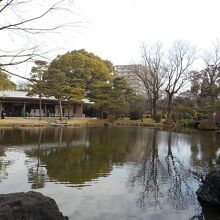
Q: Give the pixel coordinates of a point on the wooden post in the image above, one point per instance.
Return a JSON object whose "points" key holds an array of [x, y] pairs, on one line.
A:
{"points": [[40, 106], [45, 109], [0, 106]]}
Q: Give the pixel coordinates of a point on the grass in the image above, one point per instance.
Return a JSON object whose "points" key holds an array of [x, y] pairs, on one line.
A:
{"points": [[8, 122], [145, 122], [83, 122]]}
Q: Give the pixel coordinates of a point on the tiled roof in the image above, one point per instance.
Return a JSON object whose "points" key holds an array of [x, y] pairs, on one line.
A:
{"points": [[19, 94], [22, 94]]}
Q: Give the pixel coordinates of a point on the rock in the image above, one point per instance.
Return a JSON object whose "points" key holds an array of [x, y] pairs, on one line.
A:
{"points": [[209, 191], [208, 213], [28, 206], [207, 125]]}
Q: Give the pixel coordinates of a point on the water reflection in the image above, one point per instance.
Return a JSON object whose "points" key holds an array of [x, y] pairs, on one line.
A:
{"points": [[37, 173], [153, 171], [4, 163], [78, 165], [204, 147], [162, 177]]}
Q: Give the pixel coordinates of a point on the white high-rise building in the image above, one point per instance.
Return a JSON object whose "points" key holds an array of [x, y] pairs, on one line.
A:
{"points": [[128, 71]]}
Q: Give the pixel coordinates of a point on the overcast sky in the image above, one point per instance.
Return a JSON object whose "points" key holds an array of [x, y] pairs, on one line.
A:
{"points": [[118, 27], [114, 29]]}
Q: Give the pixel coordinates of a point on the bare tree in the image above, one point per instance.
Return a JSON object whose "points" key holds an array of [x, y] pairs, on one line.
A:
{"points": [[180, 59], [151, 73], [23, 24], [211, 72]]}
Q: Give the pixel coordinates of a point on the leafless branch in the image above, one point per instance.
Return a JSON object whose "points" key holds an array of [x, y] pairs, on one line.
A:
{"points": [[180, 59]]}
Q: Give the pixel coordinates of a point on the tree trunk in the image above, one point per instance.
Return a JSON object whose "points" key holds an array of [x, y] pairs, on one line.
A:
{"points": [[170, 97], [60, 138], [40, 106], [38, 149], [169, 153], [151, 107], [154, 107], [60, 109], [68, 109]]}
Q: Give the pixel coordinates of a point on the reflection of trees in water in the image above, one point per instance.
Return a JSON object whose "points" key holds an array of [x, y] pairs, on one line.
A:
{"points": [[4, 164], [36, 173], [161, 179], [81, 164], [204, 147], [3, 169], [179, 193], [149, 174]]}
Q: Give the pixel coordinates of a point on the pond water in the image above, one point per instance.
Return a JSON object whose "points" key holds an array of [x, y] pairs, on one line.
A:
{"points": [[110, 173]]}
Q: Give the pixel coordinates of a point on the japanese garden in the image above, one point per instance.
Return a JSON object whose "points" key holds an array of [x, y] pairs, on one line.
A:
{"points": [[83, 137]]}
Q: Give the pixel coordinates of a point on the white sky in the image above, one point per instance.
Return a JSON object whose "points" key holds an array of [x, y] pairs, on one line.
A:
{"points": [[114, 29]]}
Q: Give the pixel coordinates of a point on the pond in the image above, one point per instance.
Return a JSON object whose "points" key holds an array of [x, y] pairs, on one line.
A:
{"points": [[110, 173]]}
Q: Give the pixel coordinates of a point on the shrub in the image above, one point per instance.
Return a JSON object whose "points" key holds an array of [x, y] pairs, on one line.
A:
{"points": [[157, 118], [135, 115], [147, 115], [188, 122]]}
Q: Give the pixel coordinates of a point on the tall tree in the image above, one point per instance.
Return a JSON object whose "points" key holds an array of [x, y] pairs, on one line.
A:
{"points": [[211, 72], [57, 83], [38, 85], [151, 72], [88, 75], [100, 95], [180, 59], [83, 67], [112, 97], [122, 94]]}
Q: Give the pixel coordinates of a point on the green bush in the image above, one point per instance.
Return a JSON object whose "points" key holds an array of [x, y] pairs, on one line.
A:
{"points": [[157, 118], [135, 115], [188, 122], [147, 115], [183, 112]]}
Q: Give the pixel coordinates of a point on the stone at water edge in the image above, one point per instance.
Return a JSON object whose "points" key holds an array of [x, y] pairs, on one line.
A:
{"points": [[29, 206], [209, 191]]}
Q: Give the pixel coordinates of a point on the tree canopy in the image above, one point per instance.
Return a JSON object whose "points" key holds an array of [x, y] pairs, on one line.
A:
{"points": [[6, 83], [83, 68]]}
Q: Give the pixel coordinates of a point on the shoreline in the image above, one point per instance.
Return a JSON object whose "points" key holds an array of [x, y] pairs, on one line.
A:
{"points": [[74, 122]]}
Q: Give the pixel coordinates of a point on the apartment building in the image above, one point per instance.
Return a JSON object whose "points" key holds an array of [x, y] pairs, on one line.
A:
{"points": [[128, 71]]}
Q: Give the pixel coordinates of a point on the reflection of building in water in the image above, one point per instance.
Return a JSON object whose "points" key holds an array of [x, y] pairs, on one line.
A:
{"points": [[18, 103], [51, 137]]}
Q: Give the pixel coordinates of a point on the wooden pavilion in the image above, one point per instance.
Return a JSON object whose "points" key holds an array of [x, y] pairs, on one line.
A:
{"points": [[18, 103]]}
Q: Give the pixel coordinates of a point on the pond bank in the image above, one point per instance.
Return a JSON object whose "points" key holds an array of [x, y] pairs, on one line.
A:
{"points": [[82, 122]]}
